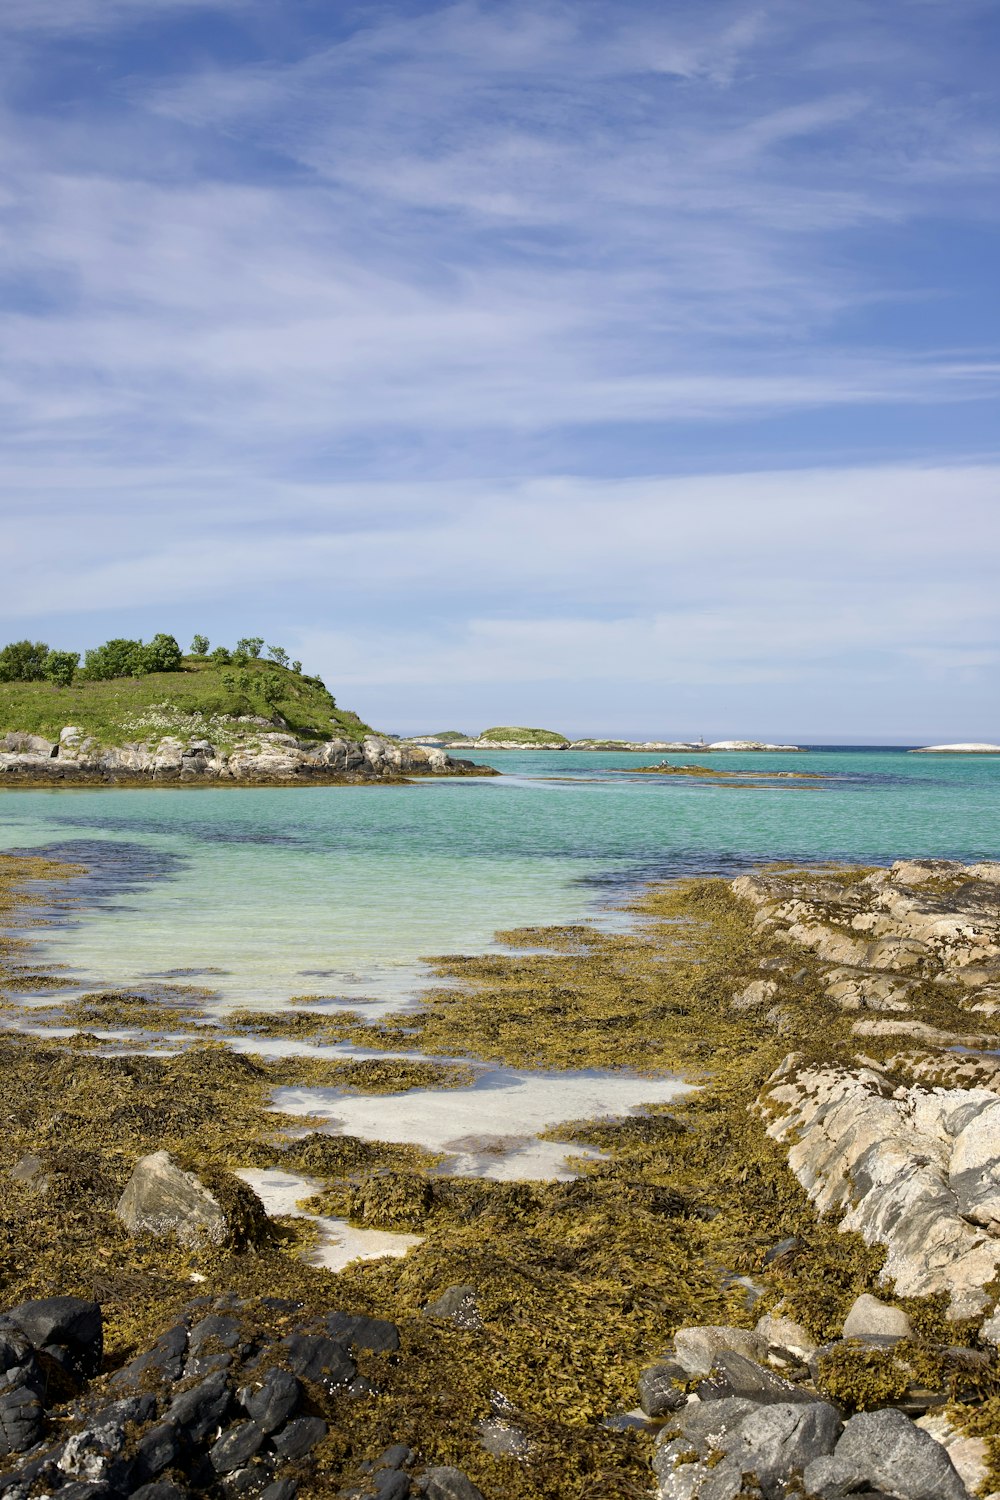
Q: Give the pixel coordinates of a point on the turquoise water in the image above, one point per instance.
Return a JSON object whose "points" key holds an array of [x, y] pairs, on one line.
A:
{"points": [[340, 890]]}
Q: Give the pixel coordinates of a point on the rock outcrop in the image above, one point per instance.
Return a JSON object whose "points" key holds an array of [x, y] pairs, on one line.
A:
{"points": [[261, 757]]}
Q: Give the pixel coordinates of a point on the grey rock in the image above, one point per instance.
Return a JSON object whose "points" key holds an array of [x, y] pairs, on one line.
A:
{"points": [[459, 1305], [696, 1347], [22, 1420], [660, 1388], [704, 1425], [782, 1338], [213, 1330], [299, 1436], [236, 1447], [30, 1171], [322, 1360], [733, 1375], [156, 1451], [445, 1483], [870, 1316], [887, 1452], [281, 1489], [164, 1361], [67, 1324], [88, 1454], [503, 1439], [275, 1401], [778, 1441], [161, 1199]]}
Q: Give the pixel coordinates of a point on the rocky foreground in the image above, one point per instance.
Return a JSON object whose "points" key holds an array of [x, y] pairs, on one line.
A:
{"points": [[260, 756]]}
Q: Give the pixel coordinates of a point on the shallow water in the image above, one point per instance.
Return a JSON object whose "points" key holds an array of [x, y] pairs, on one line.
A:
{"points": [[265, 893]]}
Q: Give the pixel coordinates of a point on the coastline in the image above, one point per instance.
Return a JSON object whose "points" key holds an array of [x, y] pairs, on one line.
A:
{"points": [[682, 1213]]}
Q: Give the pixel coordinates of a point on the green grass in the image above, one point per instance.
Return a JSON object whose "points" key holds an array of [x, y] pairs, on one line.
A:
{"points": [[524, 736], [194, 701]]}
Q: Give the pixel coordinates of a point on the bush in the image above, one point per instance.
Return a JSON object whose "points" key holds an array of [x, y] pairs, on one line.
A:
{"points": [[60, 667], [23, 661], [162, 654], [199, 645], [221, 656], [116, 658], [249, 645]]}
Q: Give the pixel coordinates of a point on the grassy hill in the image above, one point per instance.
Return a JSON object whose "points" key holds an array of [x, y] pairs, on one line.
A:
{"points": [[524, 736], [203, 698]]}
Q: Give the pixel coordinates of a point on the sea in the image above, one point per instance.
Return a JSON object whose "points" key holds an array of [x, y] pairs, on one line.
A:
{"points": [[266, 894]]}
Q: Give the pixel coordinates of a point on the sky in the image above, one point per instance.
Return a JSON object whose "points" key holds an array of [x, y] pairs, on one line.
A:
{"points": [[615, 366]]}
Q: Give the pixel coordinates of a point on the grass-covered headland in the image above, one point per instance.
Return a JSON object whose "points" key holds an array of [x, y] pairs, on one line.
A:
{"points": [[125, 690], [692, 1215]]}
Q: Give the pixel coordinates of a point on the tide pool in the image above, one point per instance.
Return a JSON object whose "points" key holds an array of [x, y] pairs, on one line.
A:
{"points": [[339, 891]]}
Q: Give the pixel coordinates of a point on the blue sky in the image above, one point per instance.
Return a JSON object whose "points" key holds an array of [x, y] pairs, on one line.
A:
{"points": [[612, 366]]}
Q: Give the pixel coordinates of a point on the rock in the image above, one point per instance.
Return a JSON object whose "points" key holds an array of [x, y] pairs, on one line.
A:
{"points": [[197, 1411], [68, 1328], [784, 1339], [754, 995], [777, 1441], [236, 1447], [444, 1483], [734, 1439], [30, 1170], [870, 1316], [164, 1361], [22, 1420], [161, 1199], [885, 1157], [321, 1360], [459, 1305], [299, 1436], [661, 1388], [376, 1334], [885, 1451], [275, 1400], [990, 1330], [696, 1347], [969, 1455], [734, 1375], [503, 1439]]}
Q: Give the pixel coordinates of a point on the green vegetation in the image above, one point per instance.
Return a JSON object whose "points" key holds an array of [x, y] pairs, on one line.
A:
{"points": [[202, 696], [447, 735], [524, 736]]}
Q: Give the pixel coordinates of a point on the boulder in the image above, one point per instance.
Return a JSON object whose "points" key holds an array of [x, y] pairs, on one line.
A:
{"points": [[161, 1198], [968, 1454], [734, 1375], [459, 1305], [69, 1329], [712, 1446], [661, 1388], [696, 1347], [444, 1483], [783, 1339], [869, 1316], [886, 1452]]}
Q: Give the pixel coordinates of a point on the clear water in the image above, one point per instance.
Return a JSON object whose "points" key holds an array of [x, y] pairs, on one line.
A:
{"points": [[339, 890]]}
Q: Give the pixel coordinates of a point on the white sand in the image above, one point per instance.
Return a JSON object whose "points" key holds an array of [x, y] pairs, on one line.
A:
{"points": [[340, 1243]]}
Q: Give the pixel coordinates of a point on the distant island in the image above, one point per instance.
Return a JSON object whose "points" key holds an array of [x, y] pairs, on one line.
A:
{"points": [[137, 711], [517, 737], [969, 749]]}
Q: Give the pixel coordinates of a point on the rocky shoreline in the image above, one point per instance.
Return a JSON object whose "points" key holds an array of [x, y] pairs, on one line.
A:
{"points": [[785, 1285], [265, 757]]}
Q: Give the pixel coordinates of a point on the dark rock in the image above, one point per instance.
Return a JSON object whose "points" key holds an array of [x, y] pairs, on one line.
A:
{"points": [[659, 1391], [321, 1360], [444, 1483], [282, 1489], [213, 1331], [86, 1489], [197, 1369], [733, 1375], [66, 1326], [15, 1350], [161, 1491], [887, 1452], [201, 1409], [236, 1447], [251, 1480], [89, 1452], [460, 1305], [164, 1361], [376, 1334], [395, 1457], [783, 1250], [391, 1484], [22, 1420], [275, 1401], [299, 1436], [156, 1450]]}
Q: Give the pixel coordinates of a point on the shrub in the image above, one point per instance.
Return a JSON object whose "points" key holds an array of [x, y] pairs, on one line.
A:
{"points": [[162, 654], [60, 667], [221, 656], [23, 661], [199, 645], [249, 645], [116, 658]]}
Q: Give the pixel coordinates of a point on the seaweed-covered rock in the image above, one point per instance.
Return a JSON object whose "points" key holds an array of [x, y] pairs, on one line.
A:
{"points": [[444, 1483], [460, 1305], [161, 1198]]}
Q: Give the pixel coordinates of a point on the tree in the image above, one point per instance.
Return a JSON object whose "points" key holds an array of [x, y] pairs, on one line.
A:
{"points": [[297, 668], [249, 645], [162, 654], [239, 683], [200, 645], [270, 687], [60, 667], [116, 658], [221, 656], [278, 654], [23, 661]]}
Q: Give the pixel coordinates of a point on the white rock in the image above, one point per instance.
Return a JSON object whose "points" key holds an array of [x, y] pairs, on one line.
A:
{"points": [[696, 1347], [870, 1316]]}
